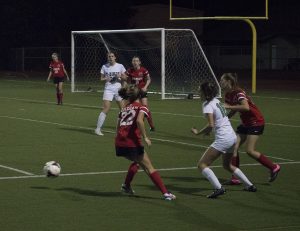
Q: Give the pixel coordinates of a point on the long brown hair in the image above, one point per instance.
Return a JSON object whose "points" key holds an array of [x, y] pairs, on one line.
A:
{"points": [[130, 93], [232, 78], [208, 91]]}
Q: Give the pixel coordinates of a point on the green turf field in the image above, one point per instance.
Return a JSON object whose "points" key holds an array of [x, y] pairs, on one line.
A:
{"points": [[34, 130]]}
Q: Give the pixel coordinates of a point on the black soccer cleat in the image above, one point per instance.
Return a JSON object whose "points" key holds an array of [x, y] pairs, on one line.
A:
{"points": [[250, 188], [152, 129], [216, 193]]}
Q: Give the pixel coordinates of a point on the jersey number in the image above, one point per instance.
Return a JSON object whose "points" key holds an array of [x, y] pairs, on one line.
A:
{"points": [[222, 109], [127, 117]]}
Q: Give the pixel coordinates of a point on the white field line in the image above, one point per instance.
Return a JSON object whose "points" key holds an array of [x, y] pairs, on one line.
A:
{"points": [[16, 170], [125, 171], [153, 112], [67, 84], [113, 132]]}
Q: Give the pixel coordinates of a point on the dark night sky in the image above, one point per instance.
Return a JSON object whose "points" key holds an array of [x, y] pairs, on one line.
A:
{"points": [[49, 22]]}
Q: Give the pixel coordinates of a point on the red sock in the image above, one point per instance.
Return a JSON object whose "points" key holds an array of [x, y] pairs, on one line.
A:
{"points": [[61, 97], [150, 121], [265, 161], [132, 170], [58, 98], [235, 161], [156, 179]]}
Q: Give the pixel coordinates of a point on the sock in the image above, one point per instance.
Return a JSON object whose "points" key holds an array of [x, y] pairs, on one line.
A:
{"points": [[57, 98], [235, 161], [265, 161], [156, 179], [132, 170], [61, 95], [101, 120], [239, 174], [150, 121], [209, 174]]}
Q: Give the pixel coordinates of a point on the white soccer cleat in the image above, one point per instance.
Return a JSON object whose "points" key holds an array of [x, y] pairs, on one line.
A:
{"points": [[127, 190], [169, 196], [98, 132]]}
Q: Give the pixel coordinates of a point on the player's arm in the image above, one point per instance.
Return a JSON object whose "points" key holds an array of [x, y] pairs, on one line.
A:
{"points": [[49, 76], [208, 128], [103, 77], [66, 73], [141, 126], [148, 81], [242, 106]]}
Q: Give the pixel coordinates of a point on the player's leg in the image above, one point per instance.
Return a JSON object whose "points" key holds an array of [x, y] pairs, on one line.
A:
{"points": [[144, 101], [261, 158], [132, 170], [57, 90], [108, 96], [210, 155], [102, 116], [237, 172], [235, 160], [60, 91], [145, 162]]}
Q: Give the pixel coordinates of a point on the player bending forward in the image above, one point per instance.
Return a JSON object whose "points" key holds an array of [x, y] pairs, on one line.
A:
{"points": [[225, 139], [252, 125], [128, 141]]}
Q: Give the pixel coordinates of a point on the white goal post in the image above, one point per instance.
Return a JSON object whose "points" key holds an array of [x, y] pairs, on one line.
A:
{"points": [[174, 57]]}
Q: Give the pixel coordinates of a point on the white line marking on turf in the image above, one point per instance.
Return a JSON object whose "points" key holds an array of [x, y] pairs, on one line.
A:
{"points": [[16, 170], [113, 132], [153, 112], [125, 171]]}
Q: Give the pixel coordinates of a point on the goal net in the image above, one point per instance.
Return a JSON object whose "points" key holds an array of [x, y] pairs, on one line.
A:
{"points": [[174, 58]]}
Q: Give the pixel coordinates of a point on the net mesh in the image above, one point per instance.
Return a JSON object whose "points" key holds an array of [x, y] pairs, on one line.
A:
{"points": [[185, 63]]}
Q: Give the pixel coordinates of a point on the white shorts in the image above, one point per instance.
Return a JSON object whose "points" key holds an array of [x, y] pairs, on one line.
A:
{"points": [[225, 144], [111, 92]]}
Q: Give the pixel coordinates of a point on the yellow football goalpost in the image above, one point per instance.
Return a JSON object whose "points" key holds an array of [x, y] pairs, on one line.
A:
{"points": [[247, 19]]}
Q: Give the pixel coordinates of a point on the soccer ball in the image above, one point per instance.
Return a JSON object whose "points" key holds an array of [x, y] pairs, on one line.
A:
{"points": [[52, 169]]}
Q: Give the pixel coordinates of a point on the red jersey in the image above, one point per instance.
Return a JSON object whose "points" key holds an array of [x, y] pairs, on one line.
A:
{"points": [[137, 77], [57, 69], [250, 118], [128, 133]]}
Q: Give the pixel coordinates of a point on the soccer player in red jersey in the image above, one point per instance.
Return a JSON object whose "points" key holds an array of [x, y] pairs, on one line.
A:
{"points": [[128, 141], [140, 77], [58, 72], [252, 125]]}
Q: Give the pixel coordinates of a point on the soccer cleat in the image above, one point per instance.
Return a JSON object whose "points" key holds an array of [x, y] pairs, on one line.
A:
{"points": [[216, 193], [232, 181], [98, 132], [127, 190], [250, 188], [152, 129], [169, 196], [274, 173]]}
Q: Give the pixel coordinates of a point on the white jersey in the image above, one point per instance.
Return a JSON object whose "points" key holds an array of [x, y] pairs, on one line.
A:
{"points": [[222, 126], [112, 73]]}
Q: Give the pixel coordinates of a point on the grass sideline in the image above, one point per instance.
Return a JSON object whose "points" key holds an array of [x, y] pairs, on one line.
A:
{"points": [[34, 130]]}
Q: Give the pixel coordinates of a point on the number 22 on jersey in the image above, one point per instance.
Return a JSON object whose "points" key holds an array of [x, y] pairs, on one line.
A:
{"points": [[127, 117]]}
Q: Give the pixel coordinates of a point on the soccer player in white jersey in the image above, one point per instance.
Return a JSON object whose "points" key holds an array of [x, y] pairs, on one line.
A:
{"points": [[224, 143], [113, 73]]}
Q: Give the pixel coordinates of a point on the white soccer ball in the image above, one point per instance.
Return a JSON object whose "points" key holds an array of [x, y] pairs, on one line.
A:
{"points": [[52, 169]]}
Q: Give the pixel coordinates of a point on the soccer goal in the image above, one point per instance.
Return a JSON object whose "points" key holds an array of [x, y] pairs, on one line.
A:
{"points": [[174, 58]]}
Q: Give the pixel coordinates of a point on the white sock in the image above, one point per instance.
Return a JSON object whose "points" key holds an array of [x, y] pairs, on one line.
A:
{"points": [[239, 174], [101, 120], [209, 174]]}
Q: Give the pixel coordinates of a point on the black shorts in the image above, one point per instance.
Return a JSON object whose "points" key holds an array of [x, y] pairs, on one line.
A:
{"points": [[128, 152], [57, 80], [255, 130], [144, 94]]}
